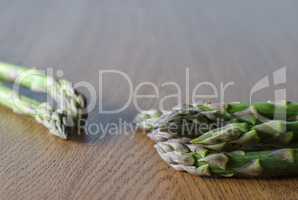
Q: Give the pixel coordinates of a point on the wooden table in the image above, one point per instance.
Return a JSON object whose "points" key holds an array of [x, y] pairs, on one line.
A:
{"points": [[153, 41]]}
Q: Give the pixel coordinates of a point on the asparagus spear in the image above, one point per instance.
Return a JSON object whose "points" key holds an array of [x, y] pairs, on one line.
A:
{"points": [[195, 120], [67, 98], [57, 121], [241, 136], [196, 160]]}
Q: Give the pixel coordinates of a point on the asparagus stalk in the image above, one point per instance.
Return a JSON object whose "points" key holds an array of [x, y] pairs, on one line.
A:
{"points": [[194, 120], [57, 121], [67, 98], [241, 136], [196, 160]]}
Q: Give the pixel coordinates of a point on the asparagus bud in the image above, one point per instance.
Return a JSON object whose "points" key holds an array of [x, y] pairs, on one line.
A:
{"points": [[188, 121], [147, 119]]}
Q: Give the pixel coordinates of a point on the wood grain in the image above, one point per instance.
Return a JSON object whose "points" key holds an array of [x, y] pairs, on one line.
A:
{"points": [[220, 41]]}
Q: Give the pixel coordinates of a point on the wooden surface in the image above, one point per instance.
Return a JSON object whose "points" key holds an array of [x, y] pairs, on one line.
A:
{"points": [[220, 41]]}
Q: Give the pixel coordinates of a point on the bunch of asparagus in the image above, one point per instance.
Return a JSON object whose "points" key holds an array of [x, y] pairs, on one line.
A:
{"points": [[235, 139], [61, 119]]}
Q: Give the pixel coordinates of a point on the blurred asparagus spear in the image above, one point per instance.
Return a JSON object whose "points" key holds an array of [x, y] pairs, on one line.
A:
{"points": [[67, 98], [57, 121]]}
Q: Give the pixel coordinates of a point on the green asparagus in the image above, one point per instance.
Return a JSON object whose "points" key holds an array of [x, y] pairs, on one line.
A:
{"points": [[196, 160], [67, 98], [194, 120], [275, 133], [57, 121]]}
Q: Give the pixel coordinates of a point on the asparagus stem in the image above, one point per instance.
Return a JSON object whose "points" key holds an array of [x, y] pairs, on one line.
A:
{"points": [[19, 104], [57, 121], [61, 91], [199, 161]]}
